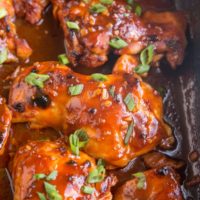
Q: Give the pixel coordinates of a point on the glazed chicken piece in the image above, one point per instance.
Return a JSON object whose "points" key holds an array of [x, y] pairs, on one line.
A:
{"points": [[11, 46], [31, 10], [156, 184], [5, 122], [89, 27], [50, 169], [122, 115]]}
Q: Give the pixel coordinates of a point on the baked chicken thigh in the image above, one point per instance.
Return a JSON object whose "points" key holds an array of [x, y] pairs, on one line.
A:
{"points": [[122, 115], [11, 46], [155, 184], [49, 170], [93, 28]]}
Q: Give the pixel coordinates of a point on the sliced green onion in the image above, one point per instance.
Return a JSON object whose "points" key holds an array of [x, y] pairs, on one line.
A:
{"points": [[101, 162], [162, 91], [129, 133], [76, 89], [146, 58], [72, 25], [52, 175], [82, 136], [112, 90], [141, 178], [128, 7], [138, 10], [78, 140], [3, 55], [36, 79], [130, 2], [99, 77], [146, 55], [87, 189], [52, 192], [41, 196], [117, 43], [97, 8], [3, 13], [74, 144], [39, 176], [141, 69], [63, 59], [129, 101], [97, 175], [107, 2]]}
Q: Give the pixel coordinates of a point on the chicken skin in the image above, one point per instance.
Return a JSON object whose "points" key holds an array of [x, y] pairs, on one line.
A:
{"points": [[121, 114], [5, 122], [155, 184], [12, 48], [31, 10], [94, 28], [42, 167]]}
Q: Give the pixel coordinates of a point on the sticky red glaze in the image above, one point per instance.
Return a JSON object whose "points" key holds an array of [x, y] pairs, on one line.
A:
{"points": [[45, 157], [5, 122], [89, 46], [16, 47], [106, 119], [157, 186]]}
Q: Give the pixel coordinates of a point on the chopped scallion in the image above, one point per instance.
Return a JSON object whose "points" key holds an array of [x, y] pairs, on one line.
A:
{"points": [[76, 89], [72, 25], [108, 2], [129, 101], [117, 43], [63, 59], [97, 8], [99, 77], [141, 180], [87, 189], [129, 133], [36, 79]]}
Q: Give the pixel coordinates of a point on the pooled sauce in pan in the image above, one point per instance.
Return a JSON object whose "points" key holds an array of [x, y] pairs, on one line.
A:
{"points": [[46, 40]]}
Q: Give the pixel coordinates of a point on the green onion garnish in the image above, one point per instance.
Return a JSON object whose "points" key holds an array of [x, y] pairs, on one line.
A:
{"points": [[130, 2], [41, 196], [87, 189], [72, 25], [141, 69], [76, 89], [78, 140], [36, 79], [52, 175], [99, 77], [129, 101], [138, 10], [129, 133], [146, 58], [97, 175], [97, 8], [63, 59], [141, 178], [117, 43], [107, 2], [112, 90], [39, 176], [52, 192]]}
